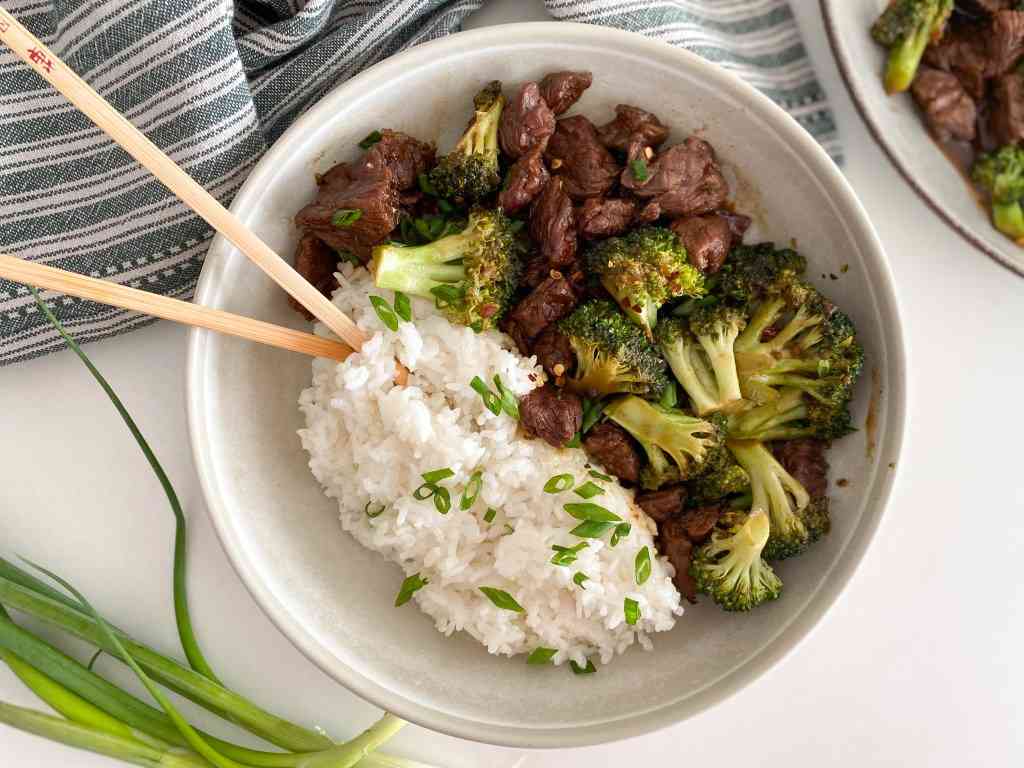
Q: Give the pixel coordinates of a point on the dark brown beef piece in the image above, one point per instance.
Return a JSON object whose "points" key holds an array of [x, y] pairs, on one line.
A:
{"points": [[707, 239], [674, 544], [404, 156], [949, 110], [1005, 41], [650, 213], [554, 352], [552, 414], [315, 262], [604, 216], [589, 170], [662, 504], [962, 51], [738, 224], [536, 269], [611, 446], [526, 178], [552, 224], [370, 189], [632, 124], [805, 460], [563, 89], [1007, 115], [698, 523], [991, 6], [526, 122], [550, 301], [685, 179]]}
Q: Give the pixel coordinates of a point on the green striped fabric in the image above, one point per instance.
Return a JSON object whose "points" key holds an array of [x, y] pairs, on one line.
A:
{"points": [[214, 83]]}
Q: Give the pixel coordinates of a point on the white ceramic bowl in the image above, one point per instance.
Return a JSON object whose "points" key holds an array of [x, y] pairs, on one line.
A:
{"points": [[896, 125], [331, 597]]}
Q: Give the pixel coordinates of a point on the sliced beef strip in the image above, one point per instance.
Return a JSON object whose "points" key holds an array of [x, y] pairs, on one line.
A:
{"points": [[554, 352], [963, 52], [405, 156], [604, 216], [662, 504], [587, 168], [632, 124], [317, 263], [549, 302], [563, 89], [526, 178], [697, 523], [611, 446], [552, 414], [552, 224], [649, 213], [684, 179], [805, 460], [526, 122], [707, 239], [948, 109], [738, 224], [1005, 41], [677, 547], [1007, 113]]}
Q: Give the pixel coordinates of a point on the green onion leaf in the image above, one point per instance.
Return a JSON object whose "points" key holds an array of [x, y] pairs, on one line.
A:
{"points": [[508, 529], [442, 499], [426, 186], [590, 511], [476, 481], [385, 312], [424, 492], [502, 599], [490, 515], [346, 217], [437, 475], [445, 206], [632, 610], [600, 475], [371, 138], [642, 565], [639, 169], [589, 490], [541, 655], [447, 295], [374, 512], [591, 415], [422, 226], [587, 670], [578, 578], [491, 400], [575, 442], [621, 531], [509, 402], [559, 483], [403, 307], [669, 397], [591, 529], [410, 586], [566, 555]]}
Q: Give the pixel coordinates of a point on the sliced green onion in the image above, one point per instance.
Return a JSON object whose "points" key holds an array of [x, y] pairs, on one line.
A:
{"points": [[566, 555], [578, 578], [502, 599], [541, 655], [669, 397], [385, 312], [632, 610], [425, 491], [490, 515], [410, 586], [508, 529], [403, 307], [591, 529], [588, 510], [491, 400], [442, 499], [639, 169], [600, 475], [437, 475], [509, 402], [589, 490], [575, 442], [371, 138], [447, 295], [516, 225], [642, 565], [559, 483], [426, 186], [591, 415], [445, 206], [346, 217], [374, 512], [423, 227], [476, 481], [587, 670], [621, 531]]}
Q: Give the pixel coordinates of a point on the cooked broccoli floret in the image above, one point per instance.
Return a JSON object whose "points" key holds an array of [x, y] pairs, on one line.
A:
{"points": [[642, 270], [729, 567], [728, 479], [701, 355], [1002, 175], [905, 28], [471, 275], [694, 445], [612, 354], [795, 521], [754, 270], [470, 172]]}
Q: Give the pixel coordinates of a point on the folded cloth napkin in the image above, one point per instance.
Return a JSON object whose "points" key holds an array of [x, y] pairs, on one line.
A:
{"points": [[214, 83]]}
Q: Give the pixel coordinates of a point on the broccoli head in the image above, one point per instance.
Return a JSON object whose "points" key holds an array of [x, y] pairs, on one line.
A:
{"points": [[729, 566], [796, 522], [728, 479], [905, 28], [1001, 173], [642, 270], [612, 354], [470, 172], [679, 446], [471, 275], [755, 270], [700, 353]]}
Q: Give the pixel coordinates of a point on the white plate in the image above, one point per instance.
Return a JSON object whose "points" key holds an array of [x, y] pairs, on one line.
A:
{"points": [[896, 125], [333, 598]]}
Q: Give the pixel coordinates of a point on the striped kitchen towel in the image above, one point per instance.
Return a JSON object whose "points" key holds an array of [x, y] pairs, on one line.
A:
{"points": [[215, 82]]}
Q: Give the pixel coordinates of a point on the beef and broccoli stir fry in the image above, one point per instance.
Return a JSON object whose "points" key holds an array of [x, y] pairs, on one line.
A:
{"points": [[962, 62], [704, 372]]}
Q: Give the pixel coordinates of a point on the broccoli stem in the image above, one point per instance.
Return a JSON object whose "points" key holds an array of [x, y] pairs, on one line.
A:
{"points": [[723, 362], [750, 339], [418, 269], [1009, 219], [695, 378], [904, 58]]}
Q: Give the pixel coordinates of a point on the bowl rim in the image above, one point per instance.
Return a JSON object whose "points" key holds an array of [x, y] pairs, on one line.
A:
{"points": [[841, 571], [846, 68]]}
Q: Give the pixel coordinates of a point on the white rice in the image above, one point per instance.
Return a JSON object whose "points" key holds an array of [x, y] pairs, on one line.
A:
{"points": [[369, 441]]}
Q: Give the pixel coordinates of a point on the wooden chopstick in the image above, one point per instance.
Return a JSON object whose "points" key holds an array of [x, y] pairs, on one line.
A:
{"points": [[113, 123], [106, 292]]}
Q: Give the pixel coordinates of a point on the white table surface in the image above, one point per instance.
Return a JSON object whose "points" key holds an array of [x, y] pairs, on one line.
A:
{"points": [[918, 664]]}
